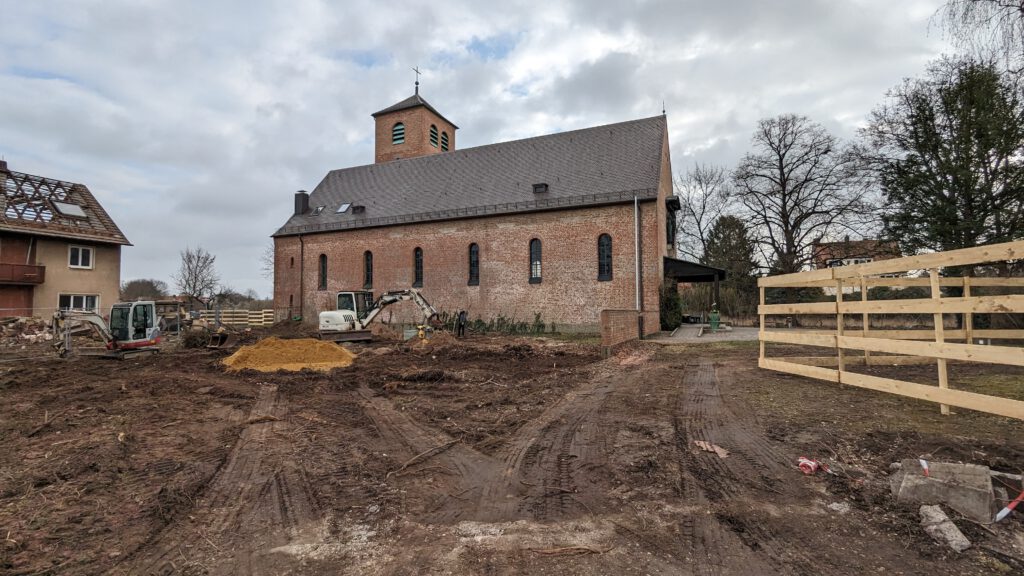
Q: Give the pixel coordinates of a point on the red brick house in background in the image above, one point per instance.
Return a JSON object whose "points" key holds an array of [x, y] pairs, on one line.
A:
{"points": [[830, 254], [563, 225], [58, 247]]}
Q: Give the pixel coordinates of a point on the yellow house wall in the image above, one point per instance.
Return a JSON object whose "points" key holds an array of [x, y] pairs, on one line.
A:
{"points": [[103, 279]]}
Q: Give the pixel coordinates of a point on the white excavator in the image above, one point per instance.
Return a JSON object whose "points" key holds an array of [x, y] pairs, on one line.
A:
{"points": [[134, 330], [356, 310]]}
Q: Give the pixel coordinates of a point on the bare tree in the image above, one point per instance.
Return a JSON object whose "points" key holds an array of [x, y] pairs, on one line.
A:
{"points": [[988, 29], [798, 185], [197, 277], [704, 196], [267, 261], [143, 288]]}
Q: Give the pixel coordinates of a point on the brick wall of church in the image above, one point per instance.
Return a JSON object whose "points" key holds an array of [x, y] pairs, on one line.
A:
{"points": [[569, 295]]}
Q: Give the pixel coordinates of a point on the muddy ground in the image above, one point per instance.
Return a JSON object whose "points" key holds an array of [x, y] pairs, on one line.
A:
{"points": [[495, 456]]}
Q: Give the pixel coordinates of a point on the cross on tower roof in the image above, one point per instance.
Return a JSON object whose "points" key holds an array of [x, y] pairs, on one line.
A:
{"points": [[417, 71]]}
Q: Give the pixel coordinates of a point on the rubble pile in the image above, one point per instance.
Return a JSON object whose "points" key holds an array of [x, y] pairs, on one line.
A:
{"points": [[24, 330], [273, 354]]}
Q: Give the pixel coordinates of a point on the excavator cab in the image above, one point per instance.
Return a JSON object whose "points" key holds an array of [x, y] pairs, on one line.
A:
{"points": [[134, 325]]}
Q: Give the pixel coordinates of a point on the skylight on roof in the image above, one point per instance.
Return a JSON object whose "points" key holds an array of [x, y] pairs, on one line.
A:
{"points": [[343, 208], [69, 209], [318, 210]]}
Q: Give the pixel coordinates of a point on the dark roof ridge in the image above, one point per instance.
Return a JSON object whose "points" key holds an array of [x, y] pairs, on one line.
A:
{"points": [[412, 102], [462, 151]]}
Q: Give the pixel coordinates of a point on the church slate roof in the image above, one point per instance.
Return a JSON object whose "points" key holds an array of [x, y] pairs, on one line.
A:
{"points": [[607, 164], [32, 204], [412, 102]]}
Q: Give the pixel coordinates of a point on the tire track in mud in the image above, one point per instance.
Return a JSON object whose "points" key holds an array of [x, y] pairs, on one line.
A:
{"points": [[730, 540], [535, 476], [255, 501]]}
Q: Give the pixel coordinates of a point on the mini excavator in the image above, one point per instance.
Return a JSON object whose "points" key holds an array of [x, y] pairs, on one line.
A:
{"points": [[134, 330], [356, 310]]}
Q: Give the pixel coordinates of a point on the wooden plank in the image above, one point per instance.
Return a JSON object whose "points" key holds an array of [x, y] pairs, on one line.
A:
{"points": [[859, 361], [939, 336], [968, 317], [795, 280], [804, 308], [978, 304], [1011, 356], [840, 321], [1000, 334], [865, 319], [824, 340], [959, 398], [949, 281], [978, 255], [817, 372], [761, 346]]}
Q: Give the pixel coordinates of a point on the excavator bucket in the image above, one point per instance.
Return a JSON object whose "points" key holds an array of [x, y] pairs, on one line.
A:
{"points": [[218, 339]]}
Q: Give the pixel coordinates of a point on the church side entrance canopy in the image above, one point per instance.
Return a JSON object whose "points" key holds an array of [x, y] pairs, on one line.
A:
{"points": [[685, 271]]}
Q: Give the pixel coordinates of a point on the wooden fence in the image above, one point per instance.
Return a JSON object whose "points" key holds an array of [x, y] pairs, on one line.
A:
{"points": [[241, 317], [903, 346]]}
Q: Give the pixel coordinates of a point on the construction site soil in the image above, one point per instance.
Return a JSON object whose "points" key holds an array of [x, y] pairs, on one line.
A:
{"points": [[487, 456]]}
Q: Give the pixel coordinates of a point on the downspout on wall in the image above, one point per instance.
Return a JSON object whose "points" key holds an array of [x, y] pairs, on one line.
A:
{"points": [[636, 257], [302, 277]]}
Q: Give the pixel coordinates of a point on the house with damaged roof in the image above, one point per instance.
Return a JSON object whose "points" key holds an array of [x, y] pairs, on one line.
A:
{"points": [[555, 228], [58, 247]]}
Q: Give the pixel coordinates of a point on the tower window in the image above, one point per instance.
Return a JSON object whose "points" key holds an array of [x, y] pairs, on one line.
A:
{"points": [[433, 135], [417, 263], [398, 134], [444, 141], [604, 257], [535, 261], [322, 284], [367, 270], [474, 265]]}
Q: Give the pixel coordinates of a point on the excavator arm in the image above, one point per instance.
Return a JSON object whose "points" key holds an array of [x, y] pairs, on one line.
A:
{"points": [[388, 298], [63, 321]]}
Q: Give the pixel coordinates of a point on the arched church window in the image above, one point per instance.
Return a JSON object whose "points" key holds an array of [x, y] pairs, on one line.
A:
{"points": [[398, 134]]}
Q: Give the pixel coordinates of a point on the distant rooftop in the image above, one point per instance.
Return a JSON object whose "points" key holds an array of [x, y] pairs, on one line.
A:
{"points": [[38, 205]]}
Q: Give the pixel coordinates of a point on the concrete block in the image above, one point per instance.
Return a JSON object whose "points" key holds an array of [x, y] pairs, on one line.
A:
{"points": [[941, 528], [966, 488]]}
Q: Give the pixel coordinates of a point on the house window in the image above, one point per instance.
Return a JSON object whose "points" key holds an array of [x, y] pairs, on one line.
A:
{"points": [[367, 270], [433, 136], [604, 257], [474, 265], [291, 263], [79, 302], [444, 141], [80, 257], [398, 133], [535, 261], [417, 263], [323, 272]]}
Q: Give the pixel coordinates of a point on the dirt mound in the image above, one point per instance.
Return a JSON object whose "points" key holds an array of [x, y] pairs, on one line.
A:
{"points": [[273, 354]]}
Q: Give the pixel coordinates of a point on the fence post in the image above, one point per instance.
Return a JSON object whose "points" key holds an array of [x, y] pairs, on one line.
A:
{"points": [[864, 318], [760, 336], [839, 327], [940, 335], [968, 316]]}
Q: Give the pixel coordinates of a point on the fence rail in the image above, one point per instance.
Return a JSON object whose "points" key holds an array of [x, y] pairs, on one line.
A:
{"points": [[897, 347]]}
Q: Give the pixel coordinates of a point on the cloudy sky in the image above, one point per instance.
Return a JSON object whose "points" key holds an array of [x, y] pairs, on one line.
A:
{"points": [[194, 122]]}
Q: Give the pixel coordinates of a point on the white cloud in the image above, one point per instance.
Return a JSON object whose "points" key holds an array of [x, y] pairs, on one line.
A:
{"points": [[194, 122]]}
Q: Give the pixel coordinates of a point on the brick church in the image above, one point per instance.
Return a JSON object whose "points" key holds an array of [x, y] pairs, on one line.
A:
{"points": [[564, 225]]}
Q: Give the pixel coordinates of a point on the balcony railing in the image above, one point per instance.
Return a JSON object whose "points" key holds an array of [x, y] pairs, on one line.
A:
{"points": [[22, 274]]}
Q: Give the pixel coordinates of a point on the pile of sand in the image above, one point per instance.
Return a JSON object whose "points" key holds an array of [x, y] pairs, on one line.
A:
{"points": [[272, 354]]}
